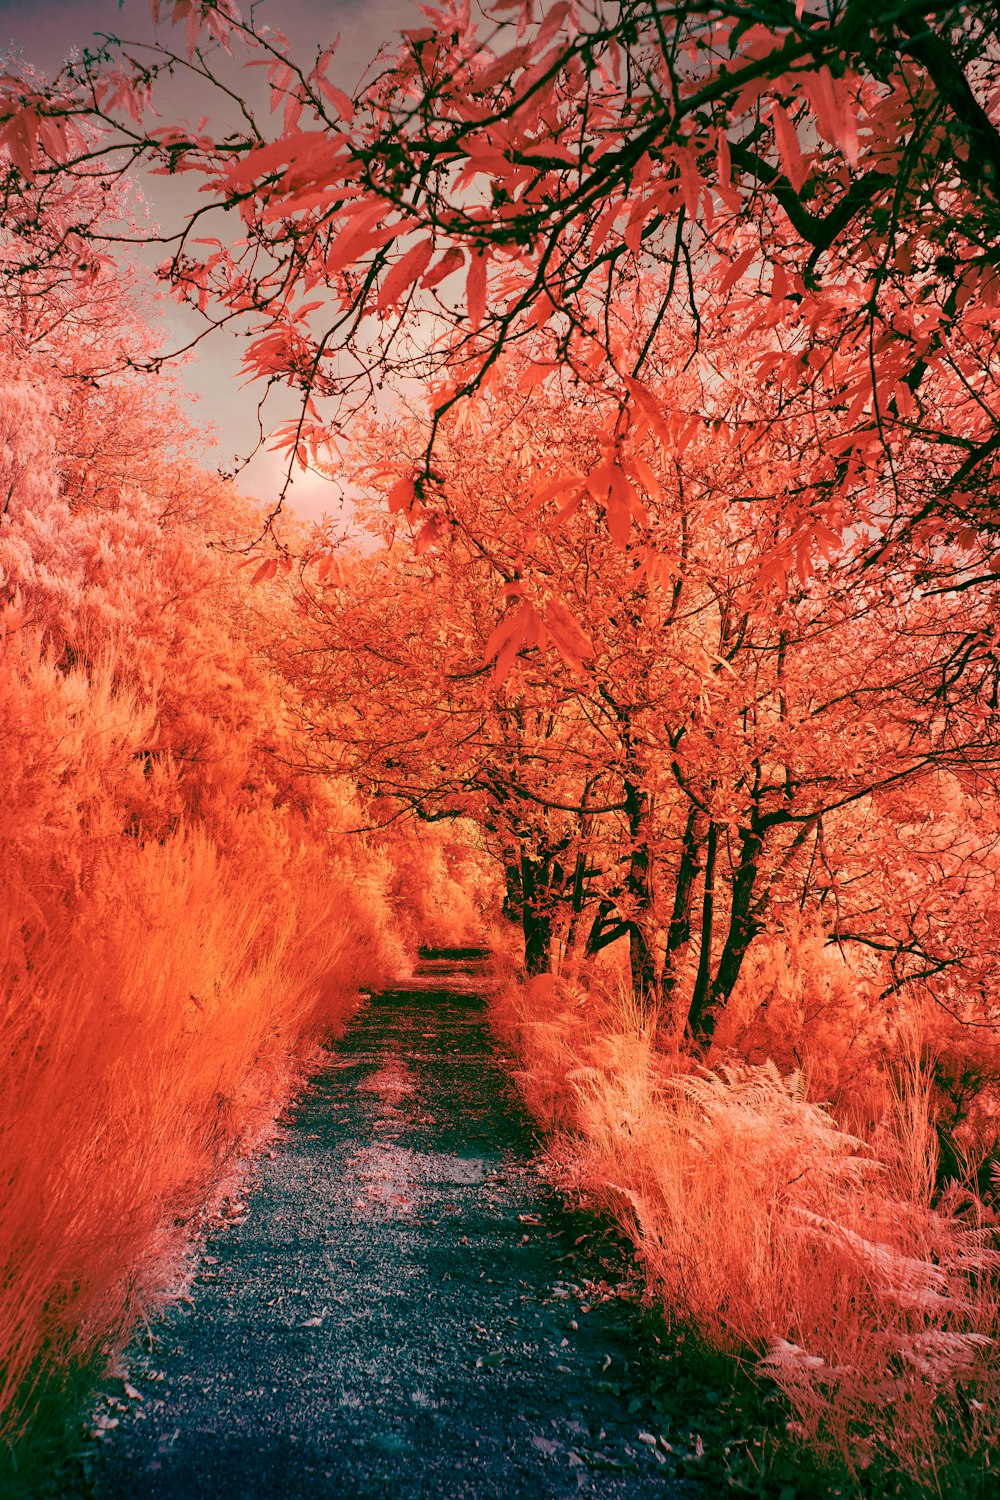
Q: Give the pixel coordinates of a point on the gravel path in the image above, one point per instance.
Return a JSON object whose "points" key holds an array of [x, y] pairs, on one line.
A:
{"points": [[405, 1310]]}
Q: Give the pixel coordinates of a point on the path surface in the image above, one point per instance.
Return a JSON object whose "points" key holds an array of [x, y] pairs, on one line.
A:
{"points": [[404, 1311]]}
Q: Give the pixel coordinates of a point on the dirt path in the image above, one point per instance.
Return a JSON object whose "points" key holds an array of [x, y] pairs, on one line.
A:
{"points": [[405, 1310]]}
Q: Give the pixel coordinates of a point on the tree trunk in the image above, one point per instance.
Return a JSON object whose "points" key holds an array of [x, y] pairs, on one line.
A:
{"points": [[513, 894], [639, 885], [698, 1018], [576, 903], [602, 932], [536, 918], [679, 931], [743, 927]]}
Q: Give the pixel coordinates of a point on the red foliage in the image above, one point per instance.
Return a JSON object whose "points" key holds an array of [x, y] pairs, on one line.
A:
{"points": [[184, 914], [510, 178], [668, 737], [683, 594]]}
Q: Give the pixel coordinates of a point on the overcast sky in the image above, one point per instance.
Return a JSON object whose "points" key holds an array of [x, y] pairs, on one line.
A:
{"points": [[43, 32]]}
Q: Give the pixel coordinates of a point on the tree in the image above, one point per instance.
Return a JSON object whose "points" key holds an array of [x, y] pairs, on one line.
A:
{"points": [[726, 238], [675, 722], [503, 182]]}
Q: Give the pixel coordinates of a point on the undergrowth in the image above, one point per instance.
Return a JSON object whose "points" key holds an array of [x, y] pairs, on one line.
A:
{"points": [[142, 1045], [820, 1258]]}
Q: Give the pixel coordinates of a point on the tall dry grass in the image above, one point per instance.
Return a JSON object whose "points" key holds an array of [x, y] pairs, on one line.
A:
{"points": [[158, 997], [183, 910], [141, 1043], [780, 1235]]}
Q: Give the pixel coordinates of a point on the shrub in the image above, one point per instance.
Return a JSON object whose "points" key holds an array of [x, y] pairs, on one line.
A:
{"points": [[777, 1233]]}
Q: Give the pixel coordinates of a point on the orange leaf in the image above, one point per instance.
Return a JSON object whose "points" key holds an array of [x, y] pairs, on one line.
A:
{"points": [[737, 268], [362, 232], [552, 22], [502, 67], [786, 139], [534, 373], [611, 489], [569, 639], [835, 116], [724, 167], [331, 570], [644, 475], [20, 136], [904, 400], [599, 483], [404, 273], [628, 496], [402, 495], [475, 288], [450, 261], [571, 479], [429, 533], [342, 103], [520, 628]]}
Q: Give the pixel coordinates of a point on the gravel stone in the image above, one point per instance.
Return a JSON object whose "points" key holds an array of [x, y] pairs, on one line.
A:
{"points": [[402, 1307]]}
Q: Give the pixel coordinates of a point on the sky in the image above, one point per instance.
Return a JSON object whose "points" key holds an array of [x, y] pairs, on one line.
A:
{"points": [[43, 32]]}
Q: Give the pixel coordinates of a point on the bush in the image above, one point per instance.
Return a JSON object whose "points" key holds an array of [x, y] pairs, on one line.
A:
{"points": [[778, 1234]]}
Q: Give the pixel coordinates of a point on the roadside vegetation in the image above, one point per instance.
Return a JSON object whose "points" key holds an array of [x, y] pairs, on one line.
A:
{"points": [[186, 911], [662, 647]]}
